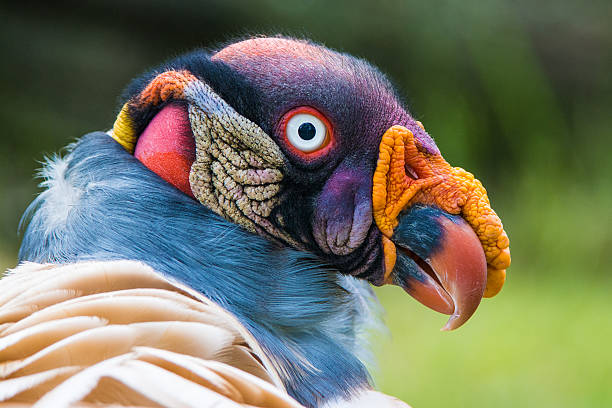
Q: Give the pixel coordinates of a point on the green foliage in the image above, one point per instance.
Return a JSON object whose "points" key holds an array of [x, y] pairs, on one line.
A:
{"points": [[519, 93]]}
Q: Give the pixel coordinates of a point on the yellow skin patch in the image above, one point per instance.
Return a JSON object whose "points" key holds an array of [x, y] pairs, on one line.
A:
{"points": [[123, 130], [452, 189]]}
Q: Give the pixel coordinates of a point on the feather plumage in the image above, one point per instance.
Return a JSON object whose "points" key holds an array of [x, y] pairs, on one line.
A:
{"points": [[301, 311], [216, 127], [121, 333]]}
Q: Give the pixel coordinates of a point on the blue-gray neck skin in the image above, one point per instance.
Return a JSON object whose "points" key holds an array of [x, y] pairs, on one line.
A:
{"points": [[100, 203]]}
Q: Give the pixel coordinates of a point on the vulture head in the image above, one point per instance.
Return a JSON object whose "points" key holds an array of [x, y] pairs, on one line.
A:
{"points": [[268, 176]]}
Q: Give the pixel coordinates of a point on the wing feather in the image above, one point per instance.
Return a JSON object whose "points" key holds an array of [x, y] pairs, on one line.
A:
{"points": [[120, 334]]}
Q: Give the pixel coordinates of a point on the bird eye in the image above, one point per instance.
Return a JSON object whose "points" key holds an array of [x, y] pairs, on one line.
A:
{"points": [[306, 130]]}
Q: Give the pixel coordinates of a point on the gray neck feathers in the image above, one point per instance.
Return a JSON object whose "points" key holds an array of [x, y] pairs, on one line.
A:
{"points": [[100, 203]]}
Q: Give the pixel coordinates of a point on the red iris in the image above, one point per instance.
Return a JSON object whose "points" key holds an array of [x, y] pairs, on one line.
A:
{"points": [[306, 133]]}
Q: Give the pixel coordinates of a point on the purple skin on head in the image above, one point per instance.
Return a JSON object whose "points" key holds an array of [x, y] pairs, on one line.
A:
{"points": [[343, 213], [361, 105]]}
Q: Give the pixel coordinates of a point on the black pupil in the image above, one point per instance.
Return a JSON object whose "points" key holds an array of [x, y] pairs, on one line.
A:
{"points": [[307, 131]]}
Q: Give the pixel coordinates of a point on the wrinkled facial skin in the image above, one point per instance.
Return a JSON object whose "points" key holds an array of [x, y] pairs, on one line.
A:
{"points": [[347, 202], [327, 200]]}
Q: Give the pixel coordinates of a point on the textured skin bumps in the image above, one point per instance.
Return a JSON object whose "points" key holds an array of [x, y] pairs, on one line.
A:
{"points": [[238, 168], [452, 189]]}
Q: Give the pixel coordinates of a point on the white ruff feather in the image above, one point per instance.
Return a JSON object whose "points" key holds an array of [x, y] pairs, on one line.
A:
{"points": [[60, 196], [368, 399]]}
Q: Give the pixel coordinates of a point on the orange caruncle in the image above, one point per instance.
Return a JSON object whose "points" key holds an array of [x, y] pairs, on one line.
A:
{"points": [[452, 189], [170, 84]]}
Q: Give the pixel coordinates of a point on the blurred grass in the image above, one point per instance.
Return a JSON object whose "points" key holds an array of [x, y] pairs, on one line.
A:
{"points": [[519, 93], [532, 346]]}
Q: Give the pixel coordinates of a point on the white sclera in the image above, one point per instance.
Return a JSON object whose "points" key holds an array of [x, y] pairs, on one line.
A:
{"points": [[304, 145]]}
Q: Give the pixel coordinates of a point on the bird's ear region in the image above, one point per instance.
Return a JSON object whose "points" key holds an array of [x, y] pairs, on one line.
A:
{"points": [[181, 129]]}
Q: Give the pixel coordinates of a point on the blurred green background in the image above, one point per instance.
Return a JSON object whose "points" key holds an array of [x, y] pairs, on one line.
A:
{"points": [[518, 92]]}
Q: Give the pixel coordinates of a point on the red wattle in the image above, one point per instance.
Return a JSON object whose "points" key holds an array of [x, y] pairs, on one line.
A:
{"points": [[166, 147]]}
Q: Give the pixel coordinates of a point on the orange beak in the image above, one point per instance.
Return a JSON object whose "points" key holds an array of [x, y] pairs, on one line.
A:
{"points": [[471, 251]]}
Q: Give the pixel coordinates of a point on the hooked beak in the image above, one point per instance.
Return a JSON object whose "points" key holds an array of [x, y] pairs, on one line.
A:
{"points": [[440, 263], [442, 242]]}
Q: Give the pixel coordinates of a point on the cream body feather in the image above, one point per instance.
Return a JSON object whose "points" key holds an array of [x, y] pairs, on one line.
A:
{"points": [[119, 334]]}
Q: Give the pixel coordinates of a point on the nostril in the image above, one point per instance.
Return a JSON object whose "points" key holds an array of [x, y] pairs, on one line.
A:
{"points": [[410, 171]]}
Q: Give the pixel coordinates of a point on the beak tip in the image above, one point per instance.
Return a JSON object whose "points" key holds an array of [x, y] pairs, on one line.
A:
{"points": [[451, 324], [457, 320]]}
